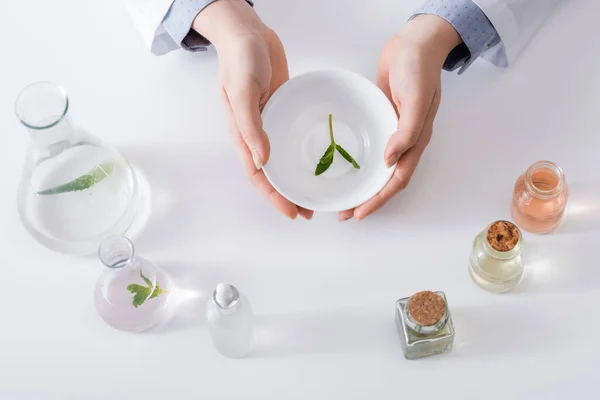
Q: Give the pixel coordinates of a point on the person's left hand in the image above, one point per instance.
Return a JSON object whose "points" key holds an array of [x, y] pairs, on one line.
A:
{"points": [[252, 65], [409, 73]]}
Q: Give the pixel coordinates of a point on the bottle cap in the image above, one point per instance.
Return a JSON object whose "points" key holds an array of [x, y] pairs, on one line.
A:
{"points": [[503, 236], [226, 296], [426, 308]]}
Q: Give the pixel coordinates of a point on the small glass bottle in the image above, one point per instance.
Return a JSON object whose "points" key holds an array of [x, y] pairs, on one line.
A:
{"points": [[131, 293], [497, 263], [74, 191], [540, 197], [230, 321], [424, 324]]}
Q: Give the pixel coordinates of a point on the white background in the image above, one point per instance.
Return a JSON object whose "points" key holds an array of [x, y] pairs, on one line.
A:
{"points": [[323, 291]]}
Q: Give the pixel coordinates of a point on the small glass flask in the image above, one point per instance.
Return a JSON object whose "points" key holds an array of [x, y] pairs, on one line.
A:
{"points": [[540, 197], [230, 321], [132, 293], [74, 191], [497, 263], [424, 324]]}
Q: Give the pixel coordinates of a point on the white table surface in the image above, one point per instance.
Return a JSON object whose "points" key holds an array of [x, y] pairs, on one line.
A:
{"points": [[323, 291]]}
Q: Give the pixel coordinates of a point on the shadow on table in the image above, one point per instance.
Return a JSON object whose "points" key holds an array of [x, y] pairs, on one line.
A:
{"points": [[324, 332], [193, 285], [555, 265], [558, 264], [506, 329], [583, 209], [187, 184]]}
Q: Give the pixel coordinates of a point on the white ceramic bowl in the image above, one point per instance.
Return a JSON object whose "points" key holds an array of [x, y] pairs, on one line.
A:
{"points": [[296, 121]]}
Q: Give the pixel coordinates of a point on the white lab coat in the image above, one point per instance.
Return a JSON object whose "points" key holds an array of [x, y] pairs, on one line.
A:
{"points": [[147, 16], [515, 20]]}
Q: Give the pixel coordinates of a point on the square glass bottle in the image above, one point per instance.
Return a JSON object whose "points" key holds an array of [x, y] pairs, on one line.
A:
{"points": [[424, 325]]}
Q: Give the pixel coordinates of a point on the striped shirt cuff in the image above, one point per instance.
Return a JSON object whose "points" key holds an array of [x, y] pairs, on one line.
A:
{"points": [[475, 29], [178, 23]]}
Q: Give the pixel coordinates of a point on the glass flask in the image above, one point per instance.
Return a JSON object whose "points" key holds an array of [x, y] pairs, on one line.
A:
{"points": [[424, 324], [132, 293], [540, 198], [230, 321], [74, 191], [496, 263]]}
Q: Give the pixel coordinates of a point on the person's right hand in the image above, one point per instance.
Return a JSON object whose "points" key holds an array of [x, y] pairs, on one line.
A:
{"points": [[252, 65]]}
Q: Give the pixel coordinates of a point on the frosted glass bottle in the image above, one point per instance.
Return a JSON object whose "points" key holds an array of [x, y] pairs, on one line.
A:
{"points": [[230, 321], [132, 293], [74, 191]]}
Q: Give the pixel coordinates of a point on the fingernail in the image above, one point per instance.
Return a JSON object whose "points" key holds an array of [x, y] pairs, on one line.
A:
{"points": [[305, 217], [342, 218], [257, 159], [391, 160]]}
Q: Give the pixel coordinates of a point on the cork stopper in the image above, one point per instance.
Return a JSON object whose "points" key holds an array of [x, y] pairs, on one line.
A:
{"points": [[503, 236], [426, 308]]}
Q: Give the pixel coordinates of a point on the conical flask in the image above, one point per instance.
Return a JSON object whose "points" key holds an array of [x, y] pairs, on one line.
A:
{"points": [[132, 293], [74, 191]]}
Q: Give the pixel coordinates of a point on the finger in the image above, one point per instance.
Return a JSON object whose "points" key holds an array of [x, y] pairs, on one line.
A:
{"points": [[345, 215], [404, 170], [413, 111], [257, 177], [259, 180], [245, 101], [383, 81], [400, 179], [305, 213], [280, 71]]}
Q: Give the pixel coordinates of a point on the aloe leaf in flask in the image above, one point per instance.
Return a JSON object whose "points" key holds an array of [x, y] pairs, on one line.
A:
{"points": [[74, 191]]}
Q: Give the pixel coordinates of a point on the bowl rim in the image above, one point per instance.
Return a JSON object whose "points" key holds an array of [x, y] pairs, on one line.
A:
{"points": [[351, 75]]}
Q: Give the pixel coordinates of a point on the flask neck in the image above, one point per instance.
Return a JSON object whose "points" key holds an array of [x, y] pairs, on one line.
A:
{"points": [[43, 108], [58, 135], [117, 252], [544, 180]]}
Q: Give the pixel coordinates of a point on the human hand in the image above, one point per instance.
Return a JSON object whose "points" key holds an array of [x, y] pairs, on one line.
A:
{"points": [[409, 73], [252, 65]]}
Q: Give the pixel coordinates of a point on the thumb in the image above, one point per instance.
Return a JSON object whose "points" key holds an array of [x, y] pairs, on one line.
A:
{"points": [[245, 105], [412, 115]]}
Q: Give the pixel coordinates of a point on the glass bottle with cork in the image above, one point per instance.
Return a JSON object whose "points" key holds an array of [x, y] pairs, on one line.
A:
{"points": [[424, 325], [496, 263]]}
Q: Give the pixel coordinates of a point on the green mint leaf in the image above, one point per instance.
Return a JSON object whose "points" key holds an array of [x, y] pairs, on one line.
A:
{"points": [[141, 296], [158, 291], [347, 156], [325, 161], [331, 129], [134, 288], [148, 281], [98, 174]]}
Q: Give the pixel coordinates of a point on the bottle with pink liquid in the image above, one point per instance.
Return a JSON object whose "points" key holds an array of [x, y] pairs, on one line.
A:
{"points": [[132, 293], [540, 198]]}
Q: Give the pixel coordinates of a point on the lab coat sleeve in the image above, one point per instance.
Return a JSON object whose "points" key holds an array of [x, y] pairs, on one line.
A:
{"points": [[165, 25], [516, 22], [147, 16]]}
